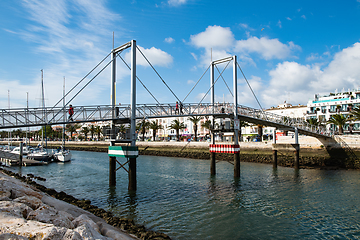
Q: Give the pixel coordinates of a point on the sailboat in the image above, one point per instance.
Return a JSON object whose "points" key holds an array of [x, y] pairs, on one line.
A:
{"points": [[41, 153], [63, 155]]}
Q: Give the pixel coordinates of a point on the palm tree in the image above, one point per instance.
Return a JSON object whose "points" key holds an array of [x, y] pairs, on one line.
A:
{"points": [[72, 128], [177, 125], [154, 125], [85, 131], [92, 131], [355, 112], [339, 120], [313, 121], [142, 126], [195, 120], [98, 131]]}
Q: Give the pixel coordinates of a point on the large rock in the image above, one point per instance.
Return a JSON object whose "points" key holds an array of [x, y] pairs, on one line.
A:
{"points": [[17, 189], [82, 219], [87, 232], [20, 210], [30, 229], [30, 201], [47, 214], [5, 195]]}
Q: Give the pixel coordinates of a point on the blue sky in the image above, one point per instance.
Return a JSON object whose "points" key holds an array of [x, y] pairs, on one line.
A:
{"points": [[288, 50]]}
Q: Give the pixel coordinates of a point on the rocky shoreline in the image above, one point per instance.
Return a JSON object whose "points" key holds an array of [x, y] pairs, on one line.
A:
{"points": [[29, 210]]}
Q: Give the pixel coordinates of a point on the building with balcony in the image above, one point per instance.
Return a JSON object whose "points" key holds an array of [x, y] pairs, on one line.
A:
{"points": [[323, 107]]}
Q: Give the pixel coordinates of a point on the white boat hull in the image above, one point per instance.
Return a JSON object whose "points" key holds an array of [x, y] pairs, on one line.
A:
{"points": [[63, 156]]}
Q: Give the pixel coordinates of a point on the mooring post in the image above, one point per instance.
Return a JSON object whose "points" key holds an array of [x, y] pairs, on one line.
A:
{"points": [[132, 174], [212, 158], [132, 161], [112, 171], [21, 154], [274, 151], [236, 130], [297, 147], [112, 168]]}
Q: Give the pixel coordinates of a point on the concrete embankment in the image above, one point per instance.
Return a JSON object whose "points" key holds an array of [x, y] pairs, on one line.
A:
{"points": [[28, 213]]}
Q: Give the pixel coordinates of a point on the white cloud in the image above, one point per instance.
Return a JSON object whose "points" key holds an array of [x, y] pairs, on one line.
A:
{"points": [[215, 37], [169, 40], [156, 56], [176, 2], [279, 24], [190, 82], [288, 18], [246, 26], [194, 56], [301, 82], [71, 37], [303, 16], [267, 48]]}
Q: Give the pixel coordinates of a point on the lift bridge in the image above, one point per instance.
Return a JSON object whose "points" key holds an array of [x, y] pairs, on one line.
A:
{"points": [[115, 114]]}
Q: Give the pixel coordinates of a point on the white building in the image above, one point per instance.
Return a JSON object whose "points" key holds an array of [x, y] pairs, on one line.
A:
{"points": [[323, 107]]}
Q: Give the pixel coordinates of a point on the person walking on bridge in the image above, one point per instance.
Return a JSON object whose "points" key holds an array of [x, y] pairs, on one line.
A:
{"points": [[71, 113], [177, 108]]}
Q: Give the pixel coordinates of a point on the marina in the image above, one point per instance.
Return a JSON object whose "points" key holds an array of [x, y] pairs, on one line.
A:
{"points": [[177, 196]]}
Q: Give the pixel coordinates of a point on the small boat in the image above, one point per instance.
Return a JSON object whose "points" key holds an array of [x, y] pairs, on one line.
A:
{"points": [[62, 155], [26, 150], [40, 154]]}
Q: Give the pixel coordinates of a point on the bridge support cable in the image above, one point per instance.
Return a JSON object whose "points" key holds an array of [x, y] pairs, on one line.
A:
{"points": [[211, 87], [224, 81], [82, 88], [142, 83], [158, 74], [196, 83], [81, 80], [262, 110]]}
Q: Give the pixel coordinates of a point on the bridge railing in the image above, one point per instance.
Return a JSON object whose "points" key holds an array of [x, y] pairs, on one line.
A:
{"points": [[22, 117]]}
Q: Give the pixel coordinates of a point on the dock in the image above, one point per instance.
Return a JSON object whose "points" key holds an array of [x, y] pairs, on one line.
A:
{"points": [[12, 159]]}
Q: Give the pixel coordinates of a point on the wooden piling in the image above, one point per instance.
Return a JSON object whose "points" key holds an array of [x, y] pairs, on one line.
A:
{"points": [[132, 174], [212, 164], [237, 165], [112, 171], [296, 163], [274, 158]]}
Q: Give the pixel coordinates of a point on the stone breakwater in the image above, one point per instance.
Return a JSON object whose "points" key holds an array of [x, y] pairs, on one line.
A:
{"points": [[29, 210]]}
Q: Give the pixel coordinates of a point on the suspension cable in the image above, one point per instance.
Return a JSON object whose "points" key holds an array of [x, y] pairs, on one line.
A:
{"points": [[158, 74], [224, 81], [196, 83], [251, 89], [80, 81], [213, 84], [140, 80]]}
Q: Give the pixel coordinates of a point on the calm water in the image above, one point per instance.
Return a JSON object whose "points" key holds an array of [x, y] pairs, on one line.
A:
{"points": [[178, 197]]}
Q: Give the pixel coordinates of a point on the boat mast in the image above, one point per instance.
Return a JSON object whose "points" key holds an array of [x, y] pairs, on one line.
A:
{"points": [[64, 118], [9, 132]]}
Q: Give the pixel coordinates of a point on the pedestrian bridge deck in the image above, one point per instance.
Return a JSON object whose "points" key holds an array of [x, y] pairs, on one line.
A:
{"points": [[30, 117]]}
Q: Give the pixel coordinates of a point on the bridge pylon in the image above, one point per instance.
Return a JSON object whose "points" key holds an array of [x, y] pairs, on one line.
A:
{"points": [[128, 152], [228, 148]]}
